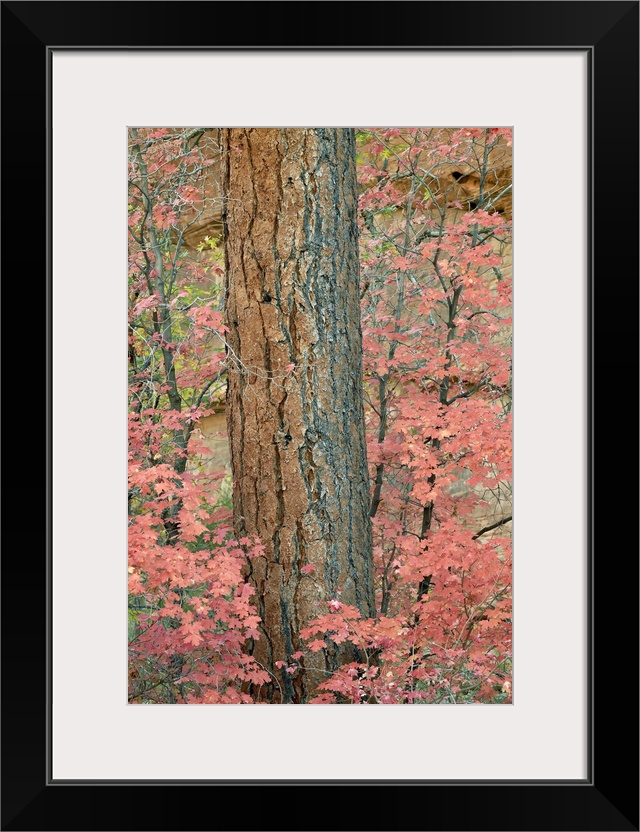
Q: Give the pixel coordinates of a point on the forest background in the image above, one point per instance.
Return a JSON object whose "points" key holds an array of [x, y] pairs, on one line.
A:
{"points": [[434, 219]]}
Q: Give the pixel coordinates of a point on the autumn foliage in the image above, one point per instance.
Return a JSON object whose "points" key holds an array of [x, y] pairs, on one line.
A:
{"points": [[435, 227], [189, 606]]}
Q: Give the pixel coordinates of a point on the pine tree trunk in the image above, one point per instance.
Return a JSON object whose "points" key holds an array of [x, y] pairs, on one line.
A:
{"points": [[297, 439]]}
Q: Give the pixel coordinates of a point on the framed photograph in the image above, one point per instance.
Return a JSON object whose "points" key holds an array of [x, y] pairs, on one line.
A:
{"points": [[452, 126]]}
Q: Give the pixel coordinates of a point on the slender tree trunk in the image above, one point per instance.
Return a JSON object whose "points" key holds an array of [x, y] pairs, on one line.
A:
{"points": [[297, 437]]}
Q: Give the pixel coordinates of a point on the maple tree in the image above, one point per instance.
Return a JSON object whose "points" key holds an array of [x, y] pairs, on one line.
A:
{"points": [[434, 228], [189, 605]]}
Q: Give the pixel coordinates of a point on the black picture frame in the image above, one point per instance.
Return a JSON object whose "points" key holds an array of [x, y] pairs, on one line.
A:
{"points": [[608, 798]]}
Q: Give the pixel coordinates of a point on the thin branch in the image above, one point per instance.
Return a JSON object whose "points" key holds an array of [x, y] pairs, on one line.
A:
{"points": [[482, 383], [492, 527], [205, 390]]}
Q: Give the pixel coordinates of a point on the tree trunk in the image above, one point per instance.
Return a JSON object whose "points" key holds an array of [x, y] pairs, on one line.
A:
{"points": [[295, 412]]}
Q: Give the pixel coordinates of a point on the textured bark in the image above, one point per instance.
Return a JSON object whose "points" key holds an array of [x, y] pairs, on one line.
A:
{"points": [[297, 437]]}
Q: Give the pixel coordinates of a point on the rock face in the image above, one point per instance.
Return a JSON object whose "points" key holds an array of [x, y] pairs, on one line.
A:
{"points": [[213, 430], [496, 189], [204, 218]]}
